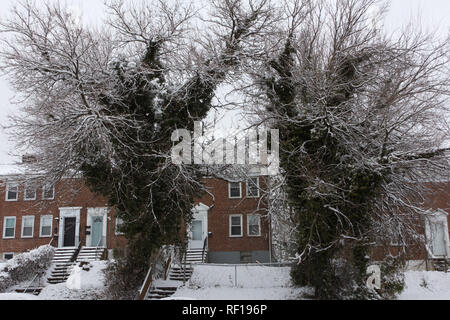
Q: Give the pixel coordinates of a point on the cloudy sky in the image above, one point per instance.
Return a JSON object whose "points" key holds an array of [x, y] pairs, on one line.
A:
{"points": [[435, 15]]}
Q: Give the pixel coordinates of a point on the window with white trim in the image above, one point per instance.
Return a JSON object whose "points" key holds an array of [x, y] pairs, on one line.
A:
{"points": [[236, 225], [119, 224], [46, 226], [27, 226], [9, 227], [12, 191], [29, 193], [253, 187], [48, 192], [253, 225], [235, 190], [8, 255]]}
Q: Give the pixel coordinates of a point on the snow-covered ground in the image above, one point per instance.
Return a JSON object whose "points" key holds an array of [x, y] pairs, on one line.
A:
{"points": [[81, 285], [210, 282], [426, 286]]}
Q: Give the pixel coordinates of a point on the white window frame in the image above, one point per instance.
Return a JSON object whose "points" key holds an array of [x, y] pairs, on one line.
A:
{"points": [[25, 193], [23, 226], [248, 225], [117, 233], [230, 227], [8, 185], [247, 188], [43, 193], [51, 226], [229, 190], [4, 227], [5, 253]]}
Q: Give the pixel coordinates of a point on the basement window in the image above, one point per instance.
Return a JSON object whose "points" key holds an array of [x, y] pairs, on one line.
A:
{"points": [[8, 255]]}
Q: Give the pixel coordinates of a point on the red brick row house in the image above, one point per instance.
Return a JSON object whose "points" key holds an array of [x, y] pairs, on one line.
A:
{"points": [[434, 226], [230, 219]]}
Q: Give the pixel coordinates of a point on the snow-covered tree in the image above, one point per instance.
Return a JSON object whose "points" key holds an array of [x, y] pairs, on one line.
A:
{"points": [[361, 116], [104, 103]]}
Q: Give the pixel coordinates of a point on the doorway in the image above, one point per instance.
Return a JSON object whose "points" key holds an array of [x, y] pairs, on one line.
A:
{"points": [[69, 232], [69, 227]]}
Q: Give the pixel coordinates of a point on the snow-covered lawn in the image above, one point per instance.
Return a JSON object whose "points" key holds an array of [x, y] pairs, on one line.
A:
{"points": [[17, 296], [211, 282], [426, 286]]}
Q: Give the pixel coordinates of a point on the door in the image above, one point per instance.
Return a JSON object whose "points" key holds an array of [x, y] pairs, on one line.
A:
{"points": [[97, 231], [69, 232], [196, 239], [438, 239]]}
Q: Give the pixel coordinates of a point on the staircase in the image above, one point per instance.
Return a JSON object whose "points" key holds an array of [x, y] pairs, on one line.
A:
{"points": [[33, 290], [178, 275], [161, 292], [441, 264], [88, 254], [195, 256], [62, 265]]}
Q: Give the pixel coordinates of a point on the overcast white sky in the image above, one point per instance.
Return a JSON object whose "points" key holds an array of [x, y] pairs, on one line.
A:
{"points": [[435, 15]]}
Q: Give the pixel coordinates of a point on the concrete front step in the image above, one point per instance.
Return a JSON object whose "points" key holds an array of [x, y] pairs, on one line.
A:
{"points": [[161, 293], [34, 290]]}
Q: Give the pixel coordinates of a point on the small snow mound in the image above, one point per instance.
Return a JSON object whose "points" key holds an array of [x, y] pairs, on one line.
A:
{"points": [[87, 276]]}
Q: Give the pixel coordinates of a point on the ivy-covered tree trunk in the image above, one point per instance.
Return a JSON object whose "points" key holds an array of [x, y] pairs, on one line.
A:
{"points": [[336, 92]]}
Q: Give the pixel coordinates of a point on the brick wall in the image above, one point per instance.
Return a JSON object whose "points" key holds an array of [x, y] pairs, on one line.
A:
{"points": [[219, 214], [68, 193]]}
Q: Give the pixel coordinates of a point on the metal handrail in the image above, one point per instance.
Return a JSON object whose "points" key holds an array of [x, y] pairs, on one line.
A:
{"points": [[75, 254], [205, 246], [148, 281]]}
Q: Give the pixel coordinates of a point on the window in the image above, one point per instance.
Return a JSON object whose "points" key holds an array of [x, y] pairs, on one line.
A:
{"points": [[236, 226], [253, 188], [30, 193], [246, 257], [27, 226], [8, 255], [253, 225], [119, 224], [234, 190], [48, 192], [9, 227], [12, 192], [46, 226]]}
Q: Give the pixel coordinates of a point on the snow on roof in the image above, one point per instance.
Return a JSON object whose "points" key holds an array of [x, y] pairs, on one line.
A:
{"points": [[9, 169]]}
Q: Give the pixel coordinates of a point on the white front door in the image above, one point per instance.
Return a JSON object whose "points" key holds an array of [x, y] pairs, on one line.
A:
{"points": [[198, 230], [436, 228], [196, 234], [438, 239], [97, 221]]}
